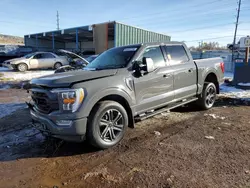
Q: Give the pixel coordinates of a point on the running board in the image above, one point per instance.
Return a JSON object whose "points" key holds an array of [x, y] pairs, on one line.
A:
{"points": [[161, 110]]}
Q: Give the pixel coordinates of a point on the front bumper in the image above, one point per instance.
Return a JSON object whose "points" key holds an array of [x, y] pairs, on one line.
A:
{"points": [[75, 132], [10, 66]]}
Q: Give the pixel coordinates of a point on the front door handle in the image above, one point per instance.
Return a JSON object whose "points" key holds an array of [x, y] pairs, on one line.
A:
{"points": [[190, 70], [166, 75]]}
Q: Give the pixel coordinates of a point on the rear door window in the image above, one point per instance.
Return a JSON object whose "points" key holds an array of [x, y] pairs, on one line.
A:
{"points": [[176, 54], [47, 56], [155, 54], [37, 56]]}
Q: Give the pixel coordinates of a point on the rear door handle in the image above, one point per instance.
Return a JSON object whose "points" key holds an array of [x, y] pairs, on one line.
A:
{"points": [[190, 70]]}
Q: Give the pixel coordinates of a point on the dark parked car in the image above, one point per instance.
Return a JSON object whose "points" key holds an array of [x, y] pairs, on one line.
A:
{"points": [[8, 52]]}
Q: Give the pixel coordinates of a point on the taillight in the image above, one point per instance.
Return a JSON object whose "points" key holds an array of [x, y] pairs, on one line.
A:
{"points": [[222, 67]]}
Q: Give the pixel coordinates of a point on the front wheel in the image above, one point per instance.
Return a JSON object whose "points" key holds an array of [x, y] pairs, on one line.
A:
{"points": [[107, 124], [208, 96], [22, 67]]}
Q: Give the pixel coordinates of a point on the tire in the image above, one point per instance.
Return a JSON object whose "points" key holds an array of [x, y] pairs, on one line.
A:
{"points": [[109, 132], [208, 96], [22, 67], [57, 65]]}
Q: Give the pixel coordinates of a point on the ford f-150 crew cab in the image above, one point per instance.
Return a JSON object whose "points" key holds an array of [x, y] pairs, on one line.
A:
{"points": [[125, 83]]}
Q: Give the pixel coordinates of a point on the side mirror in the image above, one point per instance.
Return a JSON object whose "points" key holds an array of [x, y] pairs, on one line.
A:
{"points": [[136, 65], [149, 64]]}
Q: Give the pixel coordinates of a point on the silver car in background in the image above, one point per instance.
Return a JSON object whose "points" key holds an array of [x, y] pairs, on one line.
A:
{"points": [[36, 60]]}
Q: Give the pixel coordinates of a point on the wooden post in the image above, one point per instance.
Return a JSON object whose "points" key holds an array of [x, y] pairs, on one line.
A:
{"points": [[247, 56]]}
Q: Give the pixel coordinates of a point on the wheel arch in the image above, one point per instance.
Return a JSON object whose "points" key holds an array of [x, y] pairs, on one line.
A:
{"points": [[212, 77], [57, 62], [27, 64], [114, 95]]}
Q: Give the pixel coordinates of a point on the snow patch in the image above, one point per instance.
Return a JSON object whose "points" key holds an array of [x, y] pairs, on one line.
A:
{"points": [[3, 69], [18, 137], [228, 75], [244, 84], [215, 116], [12, 75], [15, 143], [9, 108], [210, 137], [4, 87], [232, 92]]}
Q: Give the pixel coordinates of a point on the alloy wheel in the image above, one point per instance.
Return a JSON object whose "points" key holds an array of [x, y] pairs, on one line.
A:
{"points": [[22, 67], [111, 125], [210, 96]]}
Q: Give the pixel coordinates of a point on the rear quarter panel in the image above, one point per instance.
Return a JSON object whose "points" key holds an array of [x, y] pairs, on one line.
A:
{"points": [[62, 60], [207, 66]]}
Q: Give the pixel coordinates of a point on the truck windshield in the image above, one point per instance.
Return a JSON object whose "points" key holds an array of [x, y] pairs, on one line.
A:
{"points": [[113, 58]]}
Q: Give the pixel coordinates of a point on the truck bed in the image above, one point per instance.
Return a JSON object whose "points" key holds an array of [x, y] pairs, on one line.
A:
{"points": [[207, 66]]}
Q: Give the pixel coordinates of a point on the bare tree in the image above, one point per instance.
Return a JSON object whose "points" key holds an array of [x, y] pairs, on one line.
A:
{"points": [[208, 46]]}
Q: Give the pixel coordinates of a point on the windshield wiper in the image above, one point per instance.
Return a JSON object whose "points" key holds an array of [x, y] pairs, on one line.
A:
{"points": [[109, 67]]}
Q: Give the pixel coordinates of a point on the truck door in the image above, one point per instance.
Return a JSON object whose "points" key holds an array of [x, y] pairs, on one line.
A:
{"points": [[184, 70], [156, 88]]}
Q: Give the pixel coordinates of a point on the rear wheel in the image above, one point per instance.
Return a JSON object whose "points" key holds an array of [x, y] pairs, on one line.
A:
{"points": [[208, 96], [22, 67], [57, 65], [107, 124]]}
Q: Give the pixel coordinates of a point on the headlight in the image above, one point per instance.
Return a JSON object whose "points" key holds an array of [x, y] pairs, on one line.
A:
{"points": [[6, 62], [69, 99]]}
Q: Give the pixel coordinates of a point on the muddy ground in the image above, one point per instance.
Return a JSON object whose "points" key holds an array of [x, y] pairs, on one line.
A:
{"points": [[186, 148]]}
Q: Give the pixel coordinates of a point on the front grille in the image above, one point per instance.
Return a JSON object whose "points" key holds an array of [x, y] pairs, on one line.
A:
{"points": [[43, 103]]}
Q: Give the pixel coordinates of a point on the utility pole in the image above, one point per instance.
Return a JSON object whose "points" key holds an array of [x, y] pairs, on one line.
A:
{"points": [[236, 28], [57, 20]]}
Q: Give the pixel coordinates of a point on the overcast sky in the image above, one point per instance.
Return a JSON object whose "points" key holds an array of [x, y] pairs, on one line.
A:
{"points": [[184, 20]]}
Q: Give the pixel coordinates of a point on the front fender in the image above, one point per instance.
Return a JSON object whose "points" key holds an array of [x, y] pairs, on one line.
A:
{"points": [[19, 62], [90, 102]]}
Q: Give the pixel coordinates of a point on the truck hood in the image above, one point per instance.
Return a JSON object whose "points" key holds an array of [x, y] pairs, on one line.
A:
{"points": [[67, 79]]}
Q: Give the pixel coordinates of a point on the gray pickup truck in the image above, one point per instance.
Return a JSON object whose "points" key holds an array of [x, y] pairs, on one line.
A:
{"points": [[121, 85]]}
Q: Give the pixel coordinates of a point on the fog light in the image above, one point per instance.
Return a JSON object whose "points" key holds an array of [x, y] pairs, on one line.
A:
{"points": [[63, 122]]}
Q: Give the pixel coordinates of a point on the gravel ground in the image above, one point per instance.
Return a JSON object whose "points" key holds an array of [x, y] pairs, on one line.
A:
{"points": [[186, 148]]}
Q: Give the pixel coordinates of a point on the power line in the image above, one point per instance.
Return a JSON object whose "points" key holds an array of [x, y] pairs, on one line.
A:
{"points": [[200, 28], [212, 38], [184, 17], [236, 27], [172, 10], [182, 21], [57, 20]]}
